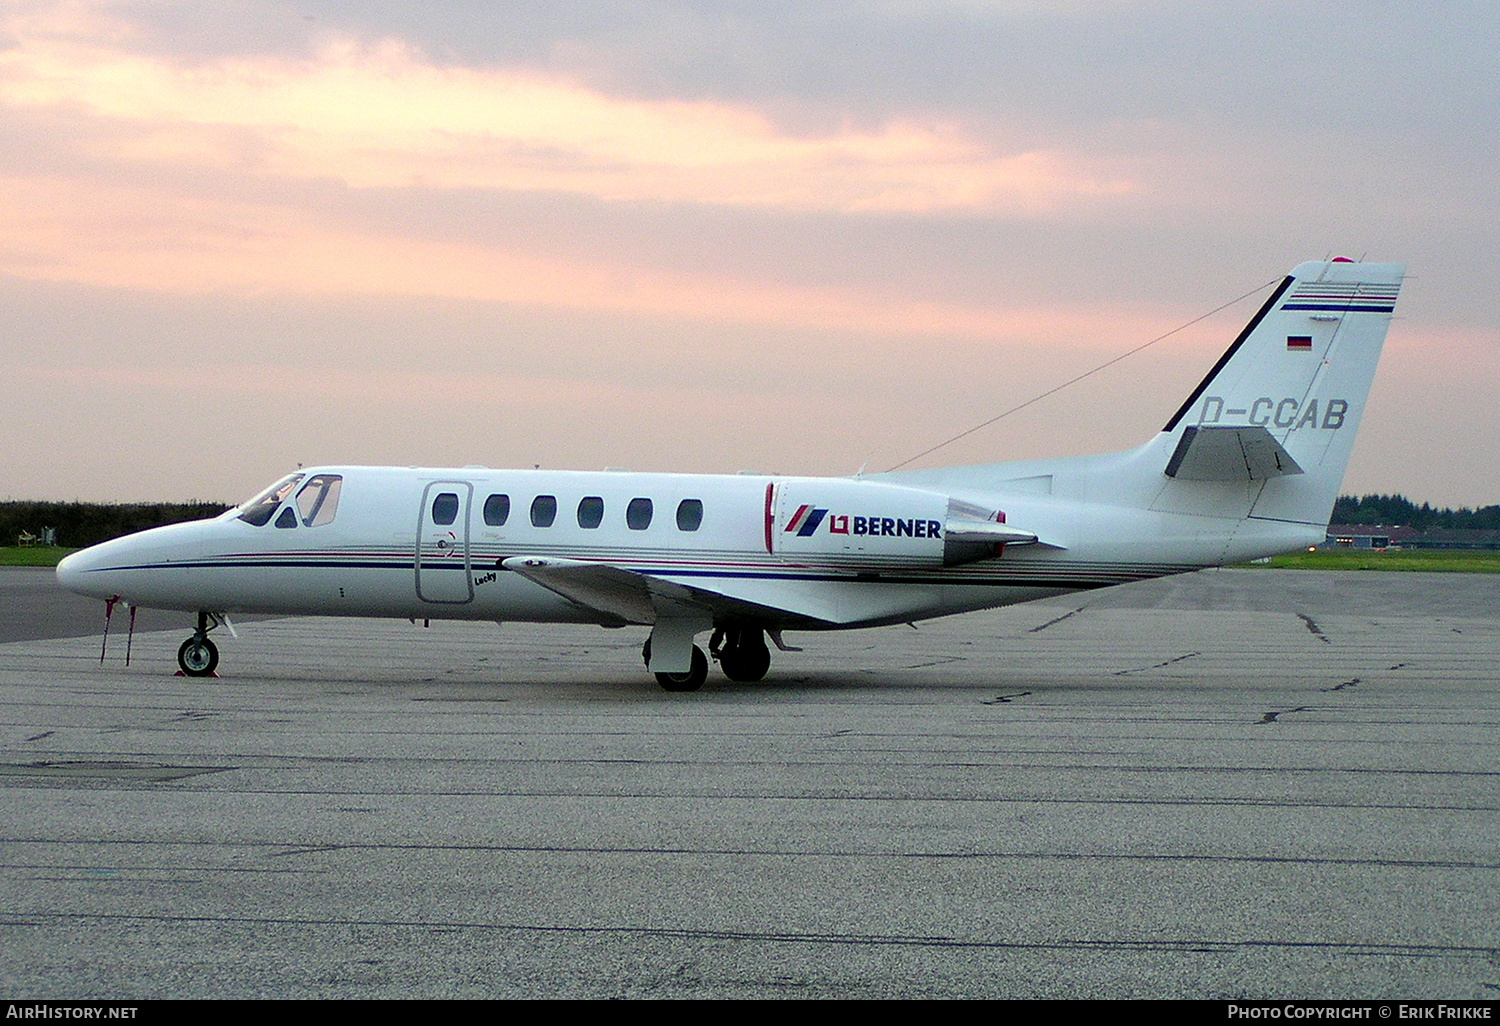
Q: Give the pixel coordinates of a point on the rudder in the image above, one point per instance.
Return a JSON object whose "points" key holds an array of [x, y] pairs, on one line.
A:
{"points": [[1283, 404]]}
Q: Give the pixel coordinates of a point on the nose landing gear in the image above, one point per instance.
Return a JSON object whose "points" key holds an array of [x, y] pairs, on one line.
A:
{"points": [[198, 656]]}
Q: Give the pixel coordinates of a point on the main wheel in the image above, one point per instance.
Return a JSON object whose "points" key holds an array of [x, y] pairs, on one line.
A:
{"points": [[198, 657], [748, 661], [690, 681]]}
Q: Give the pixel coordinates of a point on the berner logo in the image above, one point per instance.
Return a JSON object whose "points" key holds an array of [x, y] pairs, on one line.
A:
{"points": [[806, 520]]}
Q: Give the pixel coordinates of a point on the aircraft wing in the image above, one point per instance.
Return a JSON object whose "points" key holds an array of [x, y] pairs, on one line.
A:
{"points": [[630, 596]]}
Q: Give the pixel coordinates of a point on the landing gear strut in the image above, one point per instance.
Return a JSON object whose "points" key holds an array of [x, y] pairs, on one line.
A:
{"points": [[198, 656], [741, 652]]}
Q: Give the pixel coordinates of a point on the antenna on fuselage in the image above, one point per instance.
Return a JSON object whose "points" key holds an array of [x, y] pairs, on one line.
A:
{"points": [[1073, 381]]}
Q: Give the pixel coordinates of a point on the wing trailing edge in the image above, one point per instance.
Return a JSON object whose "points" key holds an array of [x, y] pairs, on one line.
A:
{"points": [[624, 596]]}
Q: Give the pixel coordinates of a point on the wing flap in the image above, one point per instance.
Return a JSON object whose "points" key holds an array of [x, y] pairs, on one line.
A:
{"points": [[622, 595], [629, 596]]}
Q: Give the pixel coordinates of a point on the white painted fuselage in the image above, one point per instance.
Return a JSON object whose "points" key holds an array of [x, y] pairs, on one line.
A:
{"points": [[1248, 467], [383, 556]]}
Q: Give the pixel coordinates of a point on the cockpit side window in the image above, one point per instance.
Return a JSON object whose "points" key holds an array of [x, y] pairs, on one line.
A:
{"points": [[288, 518], [259, 510], [318, 501]]}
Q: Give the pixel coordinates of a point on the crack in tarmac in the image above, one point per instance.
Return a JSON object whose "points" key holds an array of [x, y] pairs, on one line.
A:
{"points": [[1313, 628], [1004, 699], [915, 940], [1157, 666], [1270, 717]]}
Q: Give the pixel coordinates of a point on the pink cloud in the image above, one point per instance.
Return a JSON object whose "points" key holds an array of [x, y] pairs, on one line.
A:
{"points": [[382, 116], [137, 237]]}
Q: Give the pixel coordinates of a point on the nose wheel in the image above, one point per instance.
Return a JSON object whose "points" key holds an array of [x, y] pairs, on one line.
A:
{"points": [[198, 657]]}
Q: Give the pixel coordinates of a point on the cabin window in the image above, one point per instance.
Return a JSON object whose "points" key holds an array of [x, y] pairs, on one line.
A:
{"points": [[497, 510], [638, 514], [543, 510], [288, 518], [259, 510], [689, 514], [590, 512], [318, 501], [445, 508]]}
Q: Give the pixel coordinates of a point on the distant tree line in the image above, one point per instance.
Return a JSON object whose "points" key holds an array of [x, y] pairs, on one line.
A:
{"points": [[88, 523], [1399, 510]]}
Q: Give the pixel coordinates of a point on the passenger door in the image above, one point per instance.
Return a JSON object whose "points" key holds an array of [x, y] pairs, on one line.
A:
{"points": [[443, 570]]}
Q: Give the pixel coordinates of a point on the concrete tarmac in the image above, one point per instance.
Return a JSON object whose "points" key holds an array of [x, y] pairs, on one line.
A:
{"points": [[32, 606], [1235, 784]]}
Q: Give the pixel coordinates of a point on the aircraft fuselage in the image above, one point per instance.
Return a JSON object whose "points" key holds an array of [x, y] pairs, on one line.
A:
{"points": [[1249, 466], [844, 564]]}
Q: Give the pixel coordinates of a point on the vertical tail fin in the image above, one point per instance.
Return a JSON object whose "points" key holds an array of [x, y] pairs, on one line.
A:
{"points": [[1280, 409]]}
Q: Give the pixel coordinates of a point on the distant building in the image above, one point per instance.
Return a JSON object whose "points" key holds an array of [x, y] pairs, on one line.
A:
{"points": [[1455, 538], [1369, 536], [1377, 537]]}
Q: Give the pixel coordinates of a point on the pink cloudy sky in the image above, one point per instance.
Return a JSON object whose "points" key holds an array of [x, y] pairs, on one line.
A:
{"points": [[241, 235]]}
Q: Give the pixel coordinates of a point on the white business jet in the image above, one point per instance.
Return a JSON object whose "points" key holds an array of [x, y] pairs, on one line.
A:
{"points": [[1249, 466]]}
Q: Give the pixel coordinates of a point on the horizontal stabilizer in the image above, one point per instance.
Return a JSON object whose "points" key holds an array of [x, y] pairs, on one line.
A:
{"points": [[1229, 454]]}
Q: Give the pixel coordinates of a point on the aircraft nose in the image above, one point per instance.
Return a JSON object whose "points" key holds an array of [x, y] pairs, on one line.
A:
{"points": [[73, 573], [70, 572]]}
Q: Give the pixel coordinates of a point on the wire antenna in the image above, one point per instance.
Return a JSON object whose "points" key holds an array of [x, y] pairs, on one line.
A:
{"points": [[1085, 374]]}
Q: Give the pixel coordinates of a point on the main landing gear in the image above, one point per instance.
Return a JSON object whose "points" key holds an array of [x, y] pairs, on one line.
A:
{"points": [[199, 657], [741, 653], [690, 681]]}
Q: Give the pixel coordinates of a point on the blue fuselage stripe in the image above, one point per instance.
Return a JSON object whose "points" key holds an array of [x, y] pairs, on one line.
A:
{"points": [[1073, 578]]}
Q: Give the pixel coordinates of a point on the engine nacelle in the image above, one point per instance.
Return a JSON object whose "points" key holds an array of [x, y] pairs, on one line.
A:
{"points": [[858, 524]]}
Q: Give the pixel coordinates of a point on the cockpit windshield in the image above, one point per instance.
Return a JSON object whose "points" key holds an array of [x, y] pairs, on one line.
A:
{"points": [[259, 510]]}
